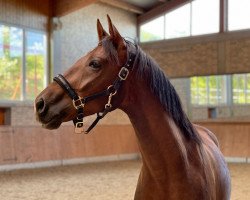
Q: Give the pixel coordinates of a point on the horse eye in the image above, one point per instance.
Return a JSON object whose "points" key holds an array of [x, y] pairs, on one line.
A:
{"points": [[94, 64]]}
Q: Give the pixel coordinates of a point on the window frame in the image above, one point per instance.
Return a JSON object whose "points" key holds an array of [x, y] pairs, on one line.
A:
{"points": [[207, 88], [191, 20], [176, 38], [245, 89], [226, 19], [223, 22], [146, 22], [23, 99], [229, 92], [190, 24]]}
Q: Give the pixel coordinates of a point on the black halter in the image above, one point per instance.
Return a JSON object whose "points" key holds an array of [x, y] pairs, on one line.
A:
{"points": [[79, 102]]}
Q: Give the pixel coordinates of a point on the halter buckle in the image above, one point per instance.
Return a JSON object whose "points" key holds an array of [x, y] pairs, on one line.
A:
{"points": [[123, 73], [79, 127], [78, 103]]}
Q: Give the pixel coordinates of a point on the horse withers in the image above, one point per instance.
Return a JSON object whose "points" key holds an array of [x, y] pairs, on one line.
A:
{"points": [[181, 161]]}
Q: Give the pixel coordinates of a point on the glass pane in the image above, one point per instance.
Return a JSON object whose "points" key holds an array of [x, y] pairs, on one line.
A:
{"points": [[178, 22], [205, 16], [235, 88], [239, 94], [238, 14], [222, 89], [202, 90], [194, 91], [35, 63], [1, 42], [208, 90], [213, 97], [199, 90], [153, 30], [10, 63], [247, 88]]}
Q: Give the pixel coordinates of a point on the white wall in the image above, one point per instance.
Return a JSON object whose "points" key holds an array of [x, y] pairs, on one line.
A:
{"points": [[78, 34]]}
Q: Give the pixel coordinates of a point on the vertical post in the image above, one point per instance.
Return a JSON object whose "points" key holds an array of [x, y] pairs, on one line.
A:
{"points": [[49, 54], [55, 46], [223, 15], [137, 31], [164, 25], [208, 90], [217, 89], [189, 101], [229, 93], [191, 18], [23, 96], [245, 87], [47, 64]]}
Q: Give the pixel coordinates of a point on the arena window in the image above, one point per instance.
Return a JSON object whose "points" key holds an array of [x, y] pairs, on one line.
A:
{"points": [[238, 14], [22, 63], [241, 88], [188, 20], [153, 30], [208, 90], [177, 22], [220, 90], [205, 17]]}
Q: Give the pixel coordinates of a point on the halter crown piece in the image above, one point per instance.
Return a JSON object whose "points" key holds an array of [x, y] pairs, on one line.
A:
{"points": [[79, 102]]}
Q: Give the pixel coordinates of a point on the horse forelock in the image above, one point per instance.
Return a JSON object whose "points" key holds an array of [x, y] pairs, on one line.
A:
{"points": [[110, 50]]}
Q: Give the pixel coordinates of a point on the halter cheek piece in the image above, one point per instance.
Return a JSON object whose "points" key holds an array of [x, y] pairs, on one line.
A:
{"points": [[79, 102]]}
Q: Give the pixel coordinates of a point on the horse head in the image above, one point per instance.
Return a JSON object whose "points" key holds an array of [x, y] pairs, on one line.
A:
{"points": [[91, 85]]}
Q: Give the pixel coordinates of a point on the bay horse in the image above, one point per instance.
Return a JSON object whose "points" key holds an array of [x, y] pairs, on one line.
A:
{"points": [[181, 161]]}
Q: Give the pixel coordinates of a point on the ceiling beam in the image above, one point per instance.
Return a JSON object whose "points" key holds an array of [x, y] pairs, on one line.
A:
{"points": [[160, 10], [64, 7], [123, 5]]}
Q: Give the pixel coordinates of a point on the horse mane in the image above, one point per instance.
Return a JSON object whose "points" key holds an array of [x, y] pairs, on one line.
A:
{"points": [[160, 85]]}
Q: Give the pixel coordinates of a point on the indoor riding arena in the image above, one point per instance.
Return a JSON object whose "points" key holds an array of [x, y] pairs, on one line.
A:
{"points": [[203, 47]]}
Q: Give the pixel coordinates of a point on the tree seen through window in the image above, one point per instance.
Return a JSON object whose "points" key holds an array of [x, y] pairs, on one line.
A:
{"points": [[21, 80]]}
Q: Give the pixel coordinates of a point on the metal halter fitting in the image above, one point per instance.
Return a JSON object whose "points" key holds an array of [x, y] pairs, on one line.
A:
{"points": [[79, 102]]}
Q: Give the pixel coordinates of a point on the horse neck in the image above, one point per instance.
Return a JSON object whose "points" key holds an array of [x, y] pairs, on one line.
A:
{"points": [[163, 147]]}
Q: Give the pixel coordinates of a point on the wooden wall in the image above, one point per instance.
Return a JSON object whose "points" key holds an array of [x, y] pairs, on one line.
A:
{"points": [[27, 13], [35, 144], [2, 114], [233, 136]]}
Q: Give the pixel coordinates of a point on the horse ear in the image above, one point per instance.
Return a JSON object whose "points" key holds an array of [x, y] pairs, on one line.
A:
{"points": [[101, 32], [115, 35]]}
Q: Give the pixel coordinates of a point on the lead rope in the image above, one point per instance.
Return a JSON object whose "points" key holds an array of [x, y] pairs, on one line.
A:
{"points": [[79, 125], [100, 115]]}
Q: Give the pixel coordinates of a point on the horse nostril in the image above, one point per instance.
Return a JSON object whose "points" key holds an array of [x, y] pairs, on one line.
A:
{"points": [[41, 107]]}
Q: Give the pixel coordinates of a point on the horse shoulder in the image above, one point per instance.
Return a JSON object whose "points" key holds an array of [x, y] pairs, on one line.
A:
{"points": [[206, 134], [217, 174]]}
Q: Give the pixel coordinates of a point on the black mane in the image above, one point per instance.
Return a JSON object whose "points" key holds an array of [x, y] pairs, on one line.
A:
{"points": [[164, 90], [160, 86]]}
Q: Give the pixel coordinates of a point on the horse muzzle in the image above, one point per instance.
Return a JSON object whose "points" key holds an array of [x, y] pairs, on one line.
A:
{"points": [[45, 116]]}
